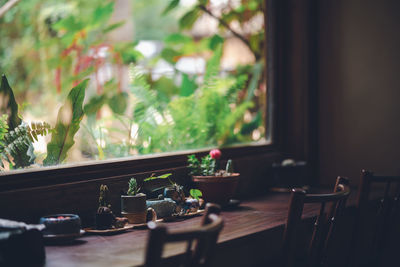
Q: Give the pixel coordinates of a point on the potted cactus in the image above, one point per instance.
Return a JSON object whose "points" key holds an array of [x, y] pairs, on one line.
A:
{"points": [[104, 216], [133, 204], [217, 185]]}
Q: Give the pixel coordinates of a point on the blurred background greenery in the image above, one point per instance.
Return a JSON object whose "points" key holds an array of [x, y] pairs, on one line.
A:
{"points": [[164, 75]]}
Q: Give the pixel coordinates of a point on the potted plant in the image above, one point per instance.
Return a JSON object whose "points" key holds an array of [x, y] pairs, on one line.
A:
{"points": [[133, 204], [104, 217], [173, 200], [217, 185]]}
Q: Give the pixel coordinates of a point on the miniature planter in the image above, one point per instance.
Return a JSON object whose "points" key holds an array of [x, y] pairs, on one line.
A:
{"points": [[217, 186], [133, 205], [173, 201], [104, 218], [134, 208], [217, 189]]}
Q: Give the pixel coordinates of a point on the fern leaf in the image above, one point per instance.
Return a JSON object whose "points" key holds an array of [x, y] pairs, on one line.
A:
{"points": [[18, 147], [3, 130], [212, 67], [36, 129], [67, 125]]}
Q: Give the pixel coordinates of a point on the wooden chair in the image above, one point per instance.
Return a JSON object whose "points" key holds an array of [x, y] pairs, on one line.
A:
{"points": [[324, 226], [376, 222], [205, 236]]}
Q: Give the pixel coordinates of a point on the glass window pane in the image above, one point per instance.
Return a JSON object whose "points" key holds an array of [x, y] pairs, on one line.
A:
{"points": [[94, 80]]}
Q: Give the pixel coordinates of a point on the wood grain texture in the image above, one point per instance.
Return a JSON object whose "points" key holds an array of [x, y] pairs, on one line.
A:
{"points": [[255, 222]]}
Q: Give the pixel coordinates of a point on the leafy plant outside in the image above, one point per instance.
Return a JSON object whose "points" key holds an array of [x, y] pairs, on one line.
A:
{"points": [[150, 115]]}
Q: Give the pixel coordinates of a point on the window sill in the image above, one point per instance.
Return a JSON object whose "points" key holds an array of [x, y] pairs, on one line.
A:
{"points": [[29, 194], [94, 170]]}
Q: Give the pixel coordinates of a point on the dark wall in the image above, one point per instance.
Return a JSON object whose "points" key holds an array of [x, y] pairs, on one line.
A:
{"points": [[359, 88]]}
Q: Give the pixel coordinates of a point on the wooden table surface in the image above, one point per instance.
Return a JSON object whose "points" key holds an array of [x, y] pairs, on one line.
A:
{"points": [[251, 218]]}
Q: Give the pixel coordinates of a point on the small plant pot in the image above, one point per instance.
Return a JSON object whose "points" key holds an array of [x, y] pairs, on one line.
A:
{"points": [[134, 208], [61, 224], [217, 189], [104, 221]]}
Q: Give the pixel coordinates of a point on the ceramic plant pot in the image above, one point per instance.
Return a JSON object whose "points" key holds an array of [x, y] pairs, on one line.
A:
{"points": [[104, 221], [217, 189], [134, 208], [61, 224]]}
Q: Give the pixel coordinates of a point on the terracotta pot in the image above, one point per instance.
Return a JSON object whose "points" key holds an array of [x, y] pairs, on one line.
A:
{"points": [[217, 189]]}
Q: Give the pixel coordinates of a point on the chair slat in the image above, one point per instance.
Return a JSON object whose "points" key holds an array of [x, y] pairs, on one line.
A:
{"points": [[384, 217], [324, 224], [205, 237]]}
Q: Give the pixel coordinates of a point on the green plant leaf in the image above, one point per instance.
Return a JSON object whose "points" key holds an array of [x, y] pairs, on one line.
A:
{"points": [[3, 130], [257, 70], [70, 24], [177, 38], [173, 4], [164, 176], [113, 26], [118, 103], [68, 122], [170, 55], [215, 41], [188, 85], [187, 20], [165, 88], [102, 13], [255, 41], [212, 67], [195, 193], [36, 129], [133, 187], [94, 104], [8, 105], [194, 165], [18, 148]]}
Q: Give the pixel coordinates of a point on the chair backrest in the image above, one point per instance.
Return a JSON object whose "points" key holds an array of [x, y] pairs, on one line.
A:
{"points": [[331, 208], [374, 226], [205, 236]]}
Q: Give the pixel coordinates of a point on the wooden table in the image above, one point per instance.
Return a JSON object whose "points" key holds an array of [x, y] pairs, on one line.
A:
{"points": [[253, 228]]}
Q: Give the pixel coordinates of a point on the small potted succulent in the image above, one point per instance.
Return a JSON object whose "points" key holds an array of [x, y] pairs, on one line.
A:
{"points": [[173, 200], [217, 185], [133, 204], [104, 216]]}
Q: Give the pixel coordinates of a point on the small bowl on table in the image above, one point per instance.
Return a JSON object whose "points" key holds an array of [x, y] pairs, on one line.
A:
{"points": [[61, 227]]}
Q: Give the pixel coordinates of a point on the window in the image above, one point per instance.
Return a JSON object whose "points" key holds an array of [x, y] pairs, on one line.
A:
{"points": [[291, 98], [164, 76]]}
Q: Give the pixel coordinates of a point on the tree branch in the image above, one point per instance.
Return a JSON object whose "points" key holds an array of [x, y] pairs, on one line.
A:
{"points": [[7, 6], [226, 25]]}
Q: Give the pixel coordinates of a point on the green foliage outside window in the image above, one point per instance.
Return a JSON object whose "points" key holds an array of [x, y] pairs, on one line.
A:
{"points": [[48, 47]]}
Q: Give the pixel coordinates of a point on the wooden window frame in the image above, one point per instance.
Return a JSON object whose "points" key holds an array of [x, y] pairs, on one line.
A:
{"points": [[290, 116]]}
